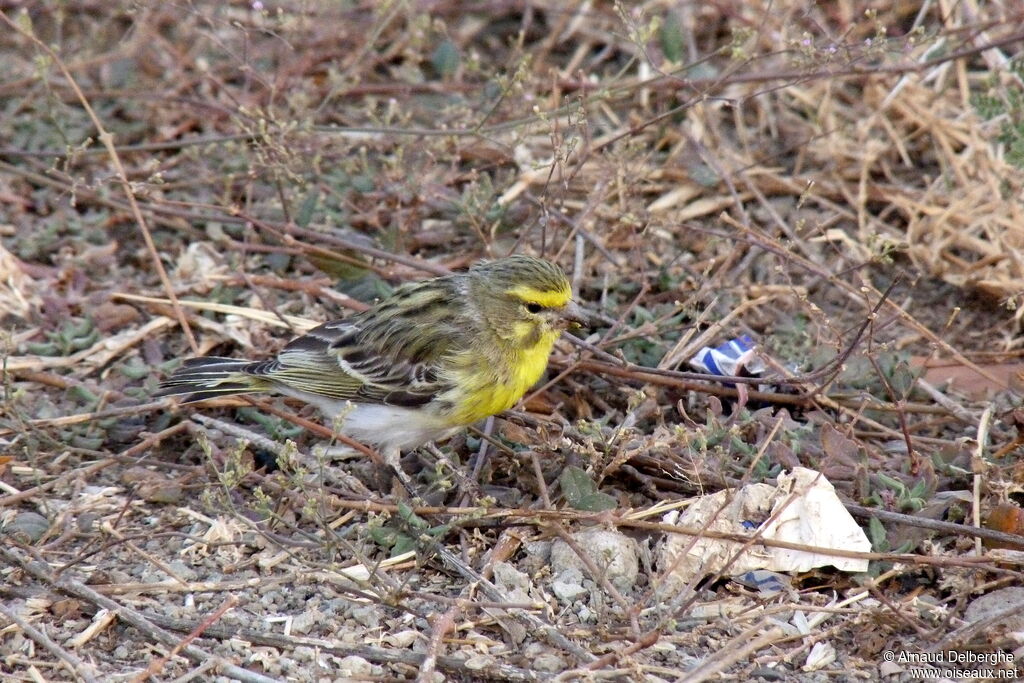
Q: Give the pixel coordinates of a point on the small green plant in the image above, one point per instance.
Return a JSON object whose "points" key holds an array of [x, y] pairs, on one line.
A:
{"points": [[405, 531], [1005, 102], [277, 429], [671, 37], [893, 494], [445, 59], [880, 544], [581, 492], [74, 335]]}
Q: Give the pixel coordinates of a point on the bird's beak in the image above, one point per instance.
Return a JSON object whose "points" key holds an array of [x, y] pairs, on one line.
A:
{"points": [[574, 316]]}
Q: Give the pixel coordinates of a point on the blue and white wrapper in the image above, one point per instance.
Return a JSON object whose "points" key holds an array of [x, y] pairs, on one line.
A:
{"points": [[729, 358]]}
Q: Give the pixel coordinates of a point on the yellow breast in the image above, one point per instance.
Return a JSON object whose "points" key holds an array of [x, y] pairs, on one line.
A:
{"points": [[492, 385]]}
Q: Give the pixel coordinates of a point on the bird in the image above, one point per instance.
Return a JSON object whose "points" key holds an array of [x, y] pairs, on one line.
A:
{"points": [[433, 357]]}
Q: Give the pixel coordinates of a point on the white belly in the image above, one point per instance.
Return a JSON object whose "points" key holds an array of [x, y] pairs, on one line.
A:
{"points": [[386, 427]]}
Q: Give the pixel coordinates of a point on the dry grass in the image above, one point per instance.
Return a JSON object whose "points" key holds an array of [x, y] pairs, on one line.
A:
{"points": [[843, 185]]}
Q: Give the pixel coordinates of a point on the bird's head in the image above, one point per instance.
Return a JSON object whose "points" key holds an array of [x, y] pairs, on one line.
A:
{"points": [[524, 299]]}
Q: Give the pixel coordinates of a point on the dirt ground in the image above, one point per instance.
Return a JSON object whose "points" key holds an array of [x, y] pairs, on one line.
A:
{"points": [[841, 182]]}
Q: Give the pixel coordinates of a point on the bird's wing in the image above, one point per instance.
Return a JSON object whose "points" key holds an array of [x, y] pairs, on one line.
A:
{"points": [[377, 358]]}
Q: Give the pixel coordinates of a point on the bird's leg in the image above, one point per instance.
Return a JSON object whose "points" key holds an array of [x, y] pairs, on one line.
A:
{"points": [[393, 458]]}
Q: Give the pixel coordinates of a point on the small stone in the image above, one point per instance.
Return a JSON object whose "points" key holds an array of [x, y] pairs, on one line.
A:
{"points": [[767, 674], [615, 554], [535, 649], [164, 492], [886, 669], [355, 666], [66, 609], [183, 571], [478, 662], [109, 316], [368, 616], [999, 601], [549, 662], [515, 583], [136, 475], [153, 487], [303, 653], [402, 639], [568, 592], [541, 549], [304, 622], [27, 527], [86, 521]]}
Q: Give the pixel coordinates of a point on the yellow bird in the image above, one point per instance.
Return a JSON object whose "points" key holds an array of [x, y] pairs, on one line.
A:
{"points": [[432, 358]]}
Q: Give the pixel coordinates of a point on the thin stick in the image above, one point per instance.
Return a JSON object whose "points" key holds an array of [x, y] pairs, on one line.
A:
{"points": [[14, 498], [978, 466], [157, 665], [440, 626]]}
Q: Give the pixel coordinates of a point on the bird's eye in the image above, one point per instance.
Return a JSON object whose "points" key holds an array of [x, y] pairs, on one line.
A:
{"points": [[534, 307]]}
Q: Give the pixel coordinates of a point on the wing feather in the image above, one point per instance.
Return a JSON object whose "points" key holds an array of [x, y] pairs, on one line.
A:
{"points": [[379, 356]]}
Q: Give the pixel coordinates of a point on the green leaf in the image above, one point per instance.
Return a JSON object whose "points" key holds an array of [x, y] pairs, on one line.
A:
{"points": [[82, 395], [581, 493], [364, 183], [912, 505], [877, 534], [403, 544], [575, 484], [366, 286], [134, 369], [305, 214], [671, 37], [439, 531], [385, 537], [919, 490], [597, 502], [406, 513], [339, 270], [892, 484], [42, 348], [904, 548], [445, 59], [902, 380], [90, 442]]}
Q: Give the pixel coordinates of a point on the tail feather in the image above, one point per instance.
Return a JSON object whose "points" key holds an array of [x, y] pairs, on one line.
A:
{"points": [[203, 378]]}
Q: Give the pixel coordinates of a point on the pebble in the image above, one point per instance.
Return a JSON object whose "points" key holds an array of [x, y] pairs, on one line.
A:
{"points": [[354, 665], [549, 662], [27, 527], [612, 552]]}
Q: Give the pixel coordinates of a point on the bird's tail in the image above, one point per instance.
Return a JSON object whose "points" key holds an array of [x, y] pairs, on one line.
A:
{"points": [[203, 378]]}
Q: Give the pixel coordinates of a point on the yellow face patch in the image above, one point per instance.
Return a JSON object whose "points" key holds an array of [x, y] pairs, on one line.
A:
{"points": [[546, 298]]}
